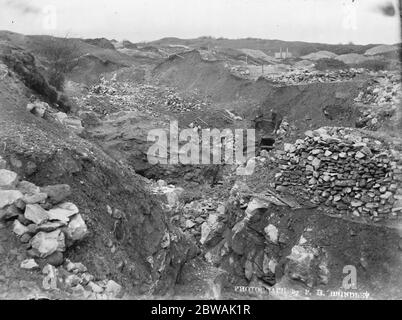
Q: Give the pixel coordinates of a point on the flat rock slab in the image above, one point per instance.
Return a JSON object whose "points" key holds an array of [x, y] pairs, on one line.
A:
{"points": [[8, 197], [36, 213], [63, 212]]}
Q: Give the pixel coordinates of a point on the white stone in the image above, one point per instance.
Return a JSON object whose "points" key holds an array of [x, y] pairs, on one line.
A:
{"points": [[8, 197], [29, 264], [316, 163], [288, 147], [19, 229], [60, 116], [44, 244], [113, 288], [272, 233], [36, 213], [35, 198], [359, 155], [63, 212], [8, 179], [94, 287], [50, 280], [386, 195], [162, 183], [189, 224], [302, 240], [76, 229]]}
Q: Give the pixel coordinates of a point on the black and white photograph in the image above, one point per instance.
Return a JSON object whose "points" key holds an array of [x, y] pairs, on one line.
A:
{"points": [[218, 152]]}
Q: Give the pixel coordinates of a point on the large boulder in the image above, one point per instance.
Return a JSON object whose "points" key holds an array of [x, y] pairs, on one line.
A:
{"points": [[38, 108], [44, 244], [8, 197]]}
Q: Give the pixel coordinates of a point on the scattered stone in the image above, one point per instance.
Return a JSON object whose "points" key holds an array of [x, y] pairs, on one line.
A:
{"points": [[50, 280], [29, 264], [272, 233], [189, 224], [38, 108], [360, 155]]}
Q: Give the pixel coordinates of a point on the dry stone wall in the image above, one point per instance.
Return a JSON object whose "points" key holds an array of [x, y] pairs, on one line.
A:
{"points": [[348, 172]]}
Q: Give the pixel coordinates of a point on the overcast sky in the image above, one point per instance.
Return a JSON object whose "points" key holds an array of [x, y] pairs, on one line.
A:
{"points": [[328, 21]]}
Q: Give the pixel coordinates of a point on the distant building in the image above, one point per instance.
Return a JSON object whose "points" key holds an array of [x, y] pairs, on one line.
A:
{"points": [[283, 54]]}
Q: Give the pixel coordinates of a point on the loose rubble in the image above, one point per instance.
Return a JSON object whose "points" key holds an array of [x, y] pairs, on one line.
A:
{"points": [[47, 226], [379, 101], [150, 99]]}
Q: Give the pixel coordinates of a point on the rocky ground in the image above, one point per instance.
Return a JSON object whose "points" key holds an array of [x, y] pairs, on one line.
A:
{"points": [[85, 216]]}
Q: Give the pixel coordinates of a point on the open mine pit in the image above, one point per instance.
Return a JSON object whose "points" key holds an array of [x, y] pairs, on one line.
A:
{"points": [[295, 173]]}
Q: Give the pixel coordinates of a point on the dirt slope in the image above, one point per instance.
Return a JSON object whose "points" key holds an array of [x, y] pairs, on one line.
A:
{"points": [[47, 153]]}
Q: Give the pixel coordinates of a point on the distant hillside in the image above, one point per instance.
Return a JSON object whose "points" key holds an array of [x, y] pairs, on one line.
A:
{"points": [[92, 56], [269, 47]]}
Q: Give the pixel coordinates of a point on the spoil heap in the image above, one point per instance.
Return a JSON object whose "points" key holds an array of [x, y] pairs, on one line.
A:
{"points": [[384, 89], [127, 96], [349, 173], [379, 100]]}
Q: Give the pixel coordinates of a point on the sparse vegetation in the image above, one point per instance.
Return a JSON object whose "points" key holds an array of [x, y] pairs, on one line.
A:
{"points": [[61, 54], [374, 65]]}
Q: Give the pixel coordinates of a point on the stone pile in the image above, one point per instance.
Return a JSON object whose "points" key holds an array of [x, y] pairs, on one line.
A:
{"points": [[126, 96], [176, 103], [241, 71], [351, 174], [296, 77], [379, 100], [74, 278], [45, 224]]}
